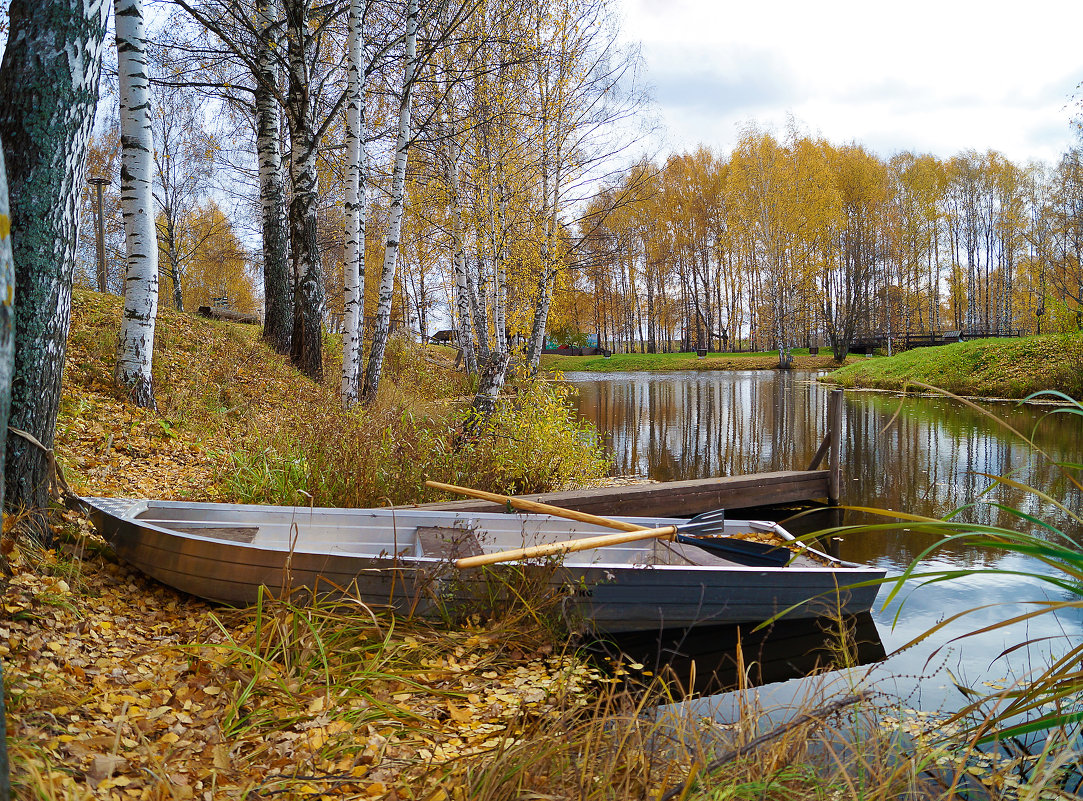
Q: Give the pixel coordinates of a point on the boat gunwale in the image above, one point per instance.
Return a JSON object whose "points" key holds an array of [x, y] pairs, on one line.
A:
{"points": [[139, 506]]}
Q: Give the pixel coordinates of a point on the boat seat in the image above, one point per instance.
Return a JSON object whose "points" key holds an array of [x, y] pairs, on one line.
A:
{"points": [[230, 533], [447, 543]]}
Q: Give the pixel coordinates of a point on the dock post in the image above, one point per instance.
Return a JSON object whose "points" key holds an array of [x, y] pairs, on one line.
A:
{"points": [[834, 459]]}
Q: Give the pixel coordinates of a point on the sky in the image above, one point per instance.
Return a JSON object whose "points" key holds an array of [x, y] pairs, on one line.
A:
{"points": [[936, 76]]}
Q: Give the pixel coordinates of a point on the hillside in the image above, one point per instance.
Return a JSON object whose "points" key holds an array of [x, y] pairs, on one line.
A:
{"points": [[991, 368], [120, 687], [236, 422]]}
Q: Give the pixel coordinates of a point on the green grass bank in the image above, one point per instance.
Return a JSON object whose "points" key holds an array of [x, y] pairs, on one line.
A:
{"points": [[991, 368], [670, 362]]}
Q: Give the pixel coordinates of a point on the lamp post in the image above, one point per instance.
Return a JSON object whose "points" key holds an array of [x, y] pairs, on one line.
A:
{"points": [[99, 182]]}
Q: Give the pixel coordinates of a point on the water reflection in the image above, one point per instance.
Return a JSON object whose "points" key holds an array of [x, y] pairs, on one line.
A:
{"points": [[704, 659], [691, 425], [925, 455]]}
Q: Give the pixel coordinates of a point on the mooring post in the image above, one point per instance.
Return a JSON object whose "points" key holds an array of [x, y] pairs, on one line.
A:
{"points": [[834, 459]]}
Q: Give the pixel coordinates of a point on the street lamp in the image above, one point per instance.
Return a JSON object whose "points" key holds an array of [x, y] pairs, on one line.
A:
{"points": [[99, 182]]}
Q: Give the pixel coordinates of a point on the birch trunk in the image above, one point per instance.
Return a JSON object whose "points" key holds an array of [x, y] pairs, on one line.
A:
{"points": [[356, 211], [173, 259], [394, 225], [48, 91], [277, 281], [465, 327], [492, 381], [306, 343], [500, 274], [458, 265], [477, 309], [136, 349], [548, 273]]}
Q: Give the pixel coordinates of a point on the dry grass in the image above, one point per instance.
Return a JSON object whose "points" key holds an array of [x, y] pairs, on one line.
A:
{"points": [[236, 422]]}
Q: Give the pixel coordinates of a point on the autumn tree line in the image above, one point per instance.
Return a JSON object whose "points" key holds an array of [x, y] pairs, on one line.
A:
{"points": [[795, 241]]}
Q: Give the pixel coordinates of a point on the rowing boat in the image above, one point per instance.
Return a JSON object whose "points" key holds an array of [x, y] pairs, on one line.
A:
{"points": [[404, 559]]}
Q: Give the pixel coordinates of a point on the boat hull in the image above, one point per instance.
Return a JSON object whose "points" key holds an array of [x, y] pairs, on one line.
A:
{"points": [[607, 589]]}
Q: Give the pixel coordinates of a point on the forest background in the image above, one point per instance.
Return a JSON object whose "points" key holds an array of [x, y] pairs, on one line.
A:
{"points": [[786, 241]]}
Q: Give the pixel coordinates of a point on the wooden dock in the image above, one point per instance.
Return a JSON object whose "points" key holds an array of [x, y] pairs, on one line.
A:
{"points": [[674, 498], [683, 498]]}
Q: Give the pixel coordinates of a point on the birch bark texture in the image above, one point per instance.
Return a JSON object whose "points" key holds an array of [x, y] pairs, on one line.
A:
{"points": [[356, 209], [398, 200], [453, 153], [136, 349], [277, 281], [48, 91], [306, 345]]}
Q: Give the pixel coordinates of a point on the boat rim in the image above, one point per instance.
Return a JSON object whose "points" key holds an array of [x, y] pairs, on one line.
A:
{"points": [[140, 505]]}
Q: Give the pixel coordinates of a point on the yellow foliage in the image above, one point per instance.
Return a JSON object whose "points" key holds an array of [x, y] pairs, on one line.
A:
{"points": [[216, 264]]}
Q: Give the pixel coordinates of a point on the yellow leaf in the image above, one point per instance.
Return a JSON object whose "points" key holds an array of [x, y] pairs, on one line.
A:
{"points": [[221, 756], [457, 714]]}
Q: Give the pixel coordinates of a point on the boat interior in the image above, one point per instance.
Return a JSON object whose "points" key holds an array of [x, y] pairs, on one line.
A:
{"points": [[415, 534]]}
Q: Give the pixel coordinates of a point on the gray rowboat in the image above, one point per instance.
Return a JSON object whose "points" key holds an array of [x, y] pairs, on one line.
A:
{"points": [[403, 559]]}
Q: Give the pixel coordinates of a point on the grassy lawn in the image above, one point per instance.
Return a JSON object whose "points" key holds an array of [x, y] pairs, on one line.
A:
{"points": [[667, 362], [1002, 368]]}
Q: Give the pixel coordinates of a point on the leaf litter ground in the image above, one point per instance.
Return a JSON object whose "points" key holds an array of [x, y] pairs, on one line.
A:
{"points": [[120, 687]]}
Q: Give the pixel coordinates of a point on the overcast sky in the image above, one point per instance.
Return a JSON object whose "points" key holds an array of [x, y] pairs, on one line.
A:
{"points": [[937, 76]]}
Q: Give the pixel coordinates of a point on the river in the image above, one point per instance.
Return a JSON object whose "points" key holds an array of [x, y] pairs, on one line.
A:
{"points": [[923, 455]]}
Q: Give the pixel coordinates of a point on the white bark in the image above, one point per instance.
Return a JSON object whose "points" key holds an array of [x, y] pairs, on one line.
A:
{"points": [[356, 211], [48, 90], [551, 197], [135, 352], [306, 341], [277, 278], [394, 226], [458, 266], [500, 271]]}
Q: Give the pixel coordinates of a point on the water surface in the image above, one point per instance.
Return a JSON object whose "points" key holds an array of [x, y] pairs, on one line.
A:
{"points": [[923, 455]]}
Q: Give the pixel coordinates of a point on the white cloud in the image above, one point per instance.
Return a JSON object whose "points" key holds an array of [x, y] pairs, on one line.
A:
{"points": [[936, 75]]}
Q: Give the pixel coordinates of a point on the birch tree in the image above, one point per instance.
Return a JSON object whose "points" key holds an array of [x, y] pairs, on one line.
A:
{"points": [[136, 349], [588, 111], [277, 283], [356, 208], [183, 163], [48, 91], [306, 345], [394, 225]]}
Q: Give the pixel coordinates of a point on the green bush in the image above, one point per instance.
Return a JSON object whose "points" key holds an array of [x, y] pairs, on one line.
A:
{"points": [[383, 455]]}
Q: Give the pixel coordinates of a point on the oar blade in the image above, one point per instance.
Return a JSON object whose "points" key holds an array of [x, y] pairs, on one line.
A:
{"points": [[743, 552]]}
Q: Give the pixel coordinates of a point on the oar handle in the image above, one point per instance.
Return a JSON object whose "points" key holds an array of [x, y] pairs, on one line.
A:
{"points": [[535, 506], [566, 546]]}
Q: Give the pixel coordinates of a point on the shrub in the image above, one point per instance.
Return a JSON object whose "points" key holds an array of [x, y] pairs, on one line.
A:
{"points": [[383, 455]]}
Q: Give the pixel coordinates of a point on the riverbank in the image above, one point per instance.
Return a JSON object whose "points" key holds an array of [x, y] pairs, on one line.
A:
{"points": [[672, 362], [987, 368], [119, 687]]}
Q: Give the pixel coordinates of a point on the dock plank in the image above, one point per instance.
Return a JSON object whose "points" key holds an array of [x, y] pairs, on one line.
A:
{"points": [[673, 498]]}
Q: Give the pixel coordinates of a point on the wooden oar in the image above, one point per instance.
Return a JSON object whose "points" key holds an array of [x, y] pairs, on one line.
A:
{"points": [[566, 546], [536, 507], [689, 533]]}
